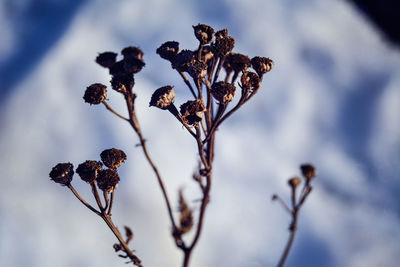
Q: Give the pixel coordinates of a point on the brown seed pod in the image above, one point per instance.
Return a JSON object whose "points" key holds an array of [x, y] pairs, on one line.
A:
{"points": [[168, 50], [223, 44], [122, 83], [88, 170], [294, 182], [95, 94], [262, 65], [223, 92], [250, 82], [236, 62], [132, 52], [203, 33], [163, 97], [192, 111], [198, 69], [113, 158], [183, 60], [308, 171], [62, 173], [133, 65], [106, 59], [117, 68], [107, 180]]}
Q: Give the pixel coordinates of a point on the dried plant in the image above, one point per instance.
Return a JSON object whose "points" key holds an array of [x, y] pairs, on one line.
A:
{"points": [[211, 101]]}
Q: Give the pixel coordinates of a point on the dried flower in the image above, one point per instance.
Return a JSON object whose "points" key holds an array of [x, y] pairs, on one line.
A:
{"points": [[206, 54], [62, 173], [88, 170], [113, 158], [95, 94], [198, 69], [203, 33], [223, 92], [192, 111], [186, 216], [223, 43], [236, 62], [122, 83], [107, 180], [106, 59], [162, 97], [132, 52], [168, 50], [262, 65], [294, 182], [250, 82], [117, 68], [133, 65], [308, 171], [183, 60]]}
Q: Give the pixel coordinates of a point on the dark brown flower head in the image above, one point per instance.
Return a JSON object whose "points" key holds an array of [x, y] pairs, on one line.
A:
{"points": [[183, 60], [133, 65], [162, 97], [106, 59], [223, 44], [88, 170], [113, 158], [95, 94], [236, 62], [168, 50], [308, 171], [192, 111], [294, 182], [107, 180], [203, 33], [250, 82], [132, 52], [62, 173], [223, 92], [198, 69], [206, 54], [122, 83], [117, 68], [262, 65]]}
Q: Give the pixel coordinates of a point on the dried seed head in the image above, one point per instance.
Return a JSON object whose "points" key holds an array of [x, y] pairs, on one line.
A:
{"points": [[183, 60], [294, 182], [192, 111], [250, 82], [88, 170], [106, 59], [122, 83], [206, 54], [113, 158], [168, 50], [107, 180], [203, 33], [223, 44], [133, 65], [223, 92], [198, 69], [262, 65], [132, 52], [308, 171], [62, 173], [163, 97], [236, 62], [186, 216], [117, 68], [95, 94]]}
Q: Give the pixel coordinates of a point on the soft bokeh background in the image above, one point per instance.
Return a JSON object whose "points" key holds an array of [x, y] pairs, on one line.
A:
{"points": [[332, 99]]}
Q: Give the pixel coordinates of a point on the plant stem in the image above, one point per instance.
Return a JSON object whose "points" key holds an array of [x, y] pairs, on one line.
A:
{"points": [[293, 227]]}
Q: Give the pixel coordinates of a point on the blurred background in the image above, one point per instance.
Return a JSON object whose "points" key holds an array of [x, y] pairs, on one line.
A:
{"points": [[332, 99]]}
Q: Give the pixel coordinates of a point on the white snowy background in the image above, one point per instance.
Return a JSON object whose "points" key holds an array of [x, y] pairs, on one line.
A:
{"points": [[332, 99]]}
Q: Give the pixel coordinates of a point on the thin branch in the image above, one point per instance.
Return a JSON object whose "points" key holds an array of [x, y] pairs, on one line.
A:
{"points": [[113, 111], [82, 200], [185, 79], [111, 203]]}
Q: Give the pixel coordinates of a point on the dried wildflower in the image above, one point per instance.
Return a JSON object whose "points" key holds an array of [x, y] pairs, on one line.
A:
{"points": [[168, 50], [95, 94], [262, 65], [117, 68], [88, 170], [192, 111], [198, 69], [132, 52], [186, 216], [113, 158], [250, 82], [203, 33], [162, 97], [62, 173], [223, 92], [133, 65], [294, 182], [223, 43], [236, 62], [183, 60], [206, 54], [122, 83], [308, 171], [106, 59], [107, 180]]}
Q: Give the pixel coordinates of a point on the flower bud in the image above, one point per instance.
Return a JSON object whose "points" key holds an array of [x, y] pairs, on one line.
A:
{"points": [[106, 59], [223, 92], [294, 182], [203, 33], [163, 97], [95, 94], [308, 171], [122, 83], [132, 52], [113, 158], [183, 60], [107, 180], [236, 62], [62, 173], [168, 50], [88, 170], [262, 65], [192, 111], [250, 82], [223, 44]]}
